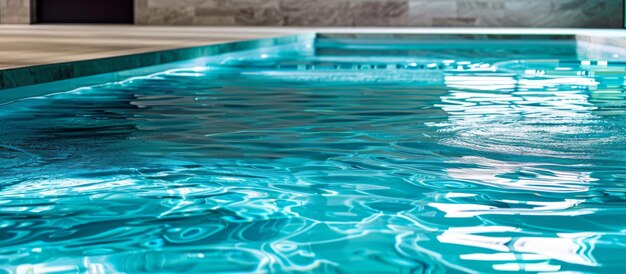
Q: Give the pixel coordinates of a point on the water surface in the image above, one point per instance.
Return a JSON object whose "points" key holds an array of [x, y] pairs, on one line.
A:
{"points": [[333, 157]]}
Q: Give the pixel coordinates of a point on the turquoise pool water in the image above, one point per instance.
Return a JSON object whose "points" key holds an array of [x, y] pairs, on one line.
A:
{"points": [[339, 156]]}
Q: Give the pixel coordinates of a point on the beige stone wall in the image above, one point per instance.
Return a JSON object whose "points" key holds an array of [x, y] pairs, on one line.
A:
{"points": [[418, 13], [415, 13], [15, 11]]}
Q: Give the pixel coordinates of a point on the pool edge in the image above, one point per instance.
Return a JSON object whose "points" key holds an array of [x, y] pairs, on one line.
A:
{"points": [[41, 74]]}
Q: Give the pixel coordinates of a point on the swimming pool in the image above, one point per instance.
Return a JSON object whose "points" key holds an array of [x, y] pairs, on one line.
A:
{"points": [[337, 155]]}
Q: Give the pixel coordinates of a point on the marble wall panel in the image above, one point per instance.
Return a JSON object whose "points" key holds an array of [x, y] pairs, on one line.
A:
{"points": [[415, 13], [15, 12], [403, 13], [298, 13]]}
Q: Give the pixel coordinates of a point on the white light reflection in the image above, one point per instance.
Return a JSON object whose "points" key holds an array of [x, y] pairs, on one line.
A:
{"points": [[516, 267], [480, 82], [506, 174], [69, 186], [199, 69], [520, 117], [523, 253], [561, 208], [466, 236], [502, 257], [571, 248], [520, 122], [510, 82]]}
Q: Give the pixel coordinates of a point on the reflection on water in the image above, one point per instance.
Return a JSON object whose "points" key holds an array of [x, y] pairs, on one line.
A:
{"points": [[526, 176], [516, 253], [333, 158]]}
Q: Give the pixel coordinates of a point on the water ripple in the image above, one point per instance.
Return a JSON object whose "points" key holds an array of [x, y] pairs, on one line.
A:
{"points": [[332, 158]]}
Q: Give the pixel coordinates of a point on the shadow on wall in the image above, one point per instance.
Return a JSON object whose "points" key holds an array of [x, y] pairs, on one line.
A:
{"points": [[85, 11], [402, 13]]}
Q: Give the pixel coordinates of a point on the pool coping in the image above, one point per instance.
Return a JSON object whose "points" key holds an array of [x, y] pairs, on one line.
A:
{"points": [[40, 74], [603, 40]]}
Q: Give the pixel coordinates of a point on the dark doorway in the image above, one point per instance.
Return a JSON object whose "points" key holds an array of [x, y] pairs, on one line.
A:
{"points": [[85, 11]]}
